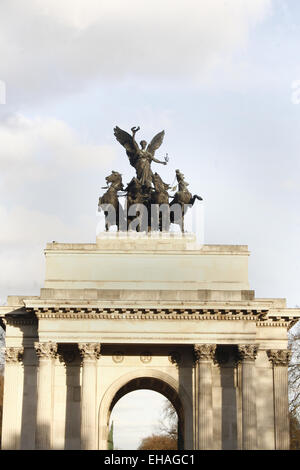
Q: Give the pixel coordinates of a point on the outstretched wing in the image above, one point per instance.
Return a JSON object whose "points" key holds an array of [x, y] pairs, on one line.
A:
{"points": [[156, 142], [125, 139]]}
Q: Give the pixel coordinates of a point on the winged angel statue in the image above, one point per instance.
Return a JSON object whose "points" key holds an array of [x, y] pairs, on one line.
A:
{"points": [[146, 194], [140, 157]]}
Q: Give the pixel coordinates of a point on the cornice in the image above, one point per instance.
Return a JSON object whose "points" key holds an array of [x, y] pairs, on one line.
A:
{"points": [[263, 317], [25, 318], [81, 312]]}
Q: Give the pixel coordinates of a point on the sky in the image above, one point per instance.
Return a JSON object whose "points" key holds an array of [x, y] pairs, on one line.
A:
{"points": [[221, 77], [131, 424]]}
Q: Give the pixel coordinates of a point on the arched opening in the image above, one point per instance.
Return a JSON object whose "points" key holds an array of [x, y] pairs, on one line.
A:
{"points": [[142, 419], [141, 382]]}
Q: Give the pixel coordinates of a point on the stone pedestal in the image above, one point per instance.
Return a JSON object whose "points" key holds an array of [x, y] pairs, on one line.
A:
{"points": [[204, 354], [89, 353], [46, 353]]}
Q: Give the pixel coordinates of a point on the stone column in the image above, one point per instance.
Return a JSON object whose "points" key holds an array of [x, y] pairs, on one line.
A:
{"points": [[46, 353], [280, 360], [204, 354], [89, 353], [10, 420], [247, 355]]}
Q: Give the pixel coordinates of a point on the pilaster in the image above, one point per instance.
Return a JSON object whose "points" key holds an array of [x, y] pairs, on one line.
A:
{"points": [[11, 419], [248, 353], [204, 354], [46, 353], [90, 352], [280, 360]]}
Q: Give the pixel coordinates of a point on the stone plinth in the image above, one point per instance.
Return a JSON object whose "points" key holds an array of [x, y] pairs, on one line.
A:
{"points": [[146, 262]]}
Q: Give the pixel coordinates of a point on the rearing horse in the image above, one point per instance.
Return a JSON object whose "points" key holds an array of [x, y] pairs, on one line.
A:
{"points": [[114, 182]]}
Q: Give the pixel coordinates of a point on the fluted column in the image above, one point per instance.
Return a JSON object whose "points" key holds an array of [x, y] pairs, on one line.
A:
{"points": [[280, 360], [10, 424], [247, 355], [46, 353], [204, 354], [90, 352]]}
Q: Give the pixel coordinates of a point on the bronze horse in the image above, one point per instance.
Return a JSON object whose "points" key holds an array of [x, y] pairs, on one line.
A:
{"points": [[160, 196], [137, 193], [109, 202], [147, 207]]}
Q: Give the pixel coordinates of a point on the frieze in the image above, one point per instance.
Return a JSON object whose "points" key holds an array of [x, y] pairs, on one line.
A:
{"points": [[118, 357], [146, 357]]}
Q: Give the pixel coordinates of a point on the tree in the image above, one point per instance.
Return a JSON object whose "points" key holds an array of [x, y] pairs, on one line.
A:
{"points": [[294, 433], [158, 442], [110, 441], [1, 402], [166, 436], [169, 423], [294, 386]]}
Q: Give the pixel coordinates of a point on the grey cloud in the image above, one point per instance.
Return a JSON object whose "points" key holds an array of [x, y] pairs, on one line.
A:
{"points": [[53, 47]]}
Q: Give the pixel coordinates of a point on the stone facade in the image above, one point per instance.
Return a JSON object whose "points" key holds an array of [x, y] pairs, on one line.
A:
{"points": [[156, 312]]}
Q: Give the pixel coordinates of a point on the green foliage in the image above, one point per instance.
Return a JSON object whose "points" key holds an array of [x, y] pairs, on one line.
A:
{"points": [[294, 387], [111, 437]]}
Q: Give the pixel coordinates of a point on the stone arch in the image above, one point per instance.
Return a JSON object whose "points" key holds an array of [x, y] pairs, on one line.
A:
{"points": [[150, 379]]}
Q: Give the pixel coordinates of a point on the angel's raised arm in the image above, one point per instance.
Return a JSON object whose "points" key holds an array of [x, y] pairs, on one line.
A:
{"points": [[134, 131]]}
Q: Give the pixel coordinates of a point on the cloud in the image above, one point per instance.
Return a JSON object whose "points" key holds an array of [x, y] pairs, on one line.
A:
{"points": [[50, 47], [23, 236], [43, 142], [21, 226], [42, 162]]}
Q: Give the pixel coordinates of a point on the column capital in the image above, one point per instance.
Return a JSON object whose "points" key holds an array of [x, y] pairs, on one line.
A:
{"points": [[89, 351], [204, 352], [14, 354], [46, 350], [279, 357], [247, 352]]}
